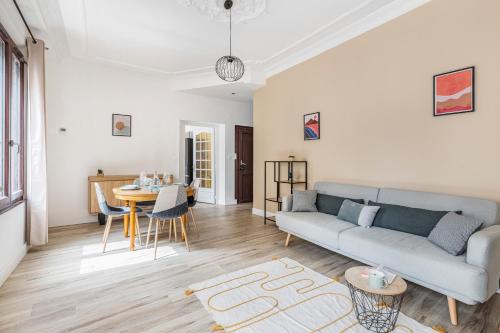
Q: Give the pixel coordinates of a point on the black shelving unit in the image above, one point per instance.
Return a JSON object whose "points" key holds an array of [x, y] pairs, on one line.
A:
{"points": [[278, 181]]}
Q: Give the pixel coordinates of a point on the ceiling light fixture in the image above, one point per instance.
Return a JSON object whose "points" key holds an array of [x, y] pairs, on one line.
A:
{"points": [[214, 9], [229, 68]]}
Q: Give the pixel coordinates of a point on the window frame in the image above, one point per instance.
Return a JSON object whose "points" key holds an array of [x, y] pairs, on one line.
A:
{"points": [[16, 194], [11, 198]]}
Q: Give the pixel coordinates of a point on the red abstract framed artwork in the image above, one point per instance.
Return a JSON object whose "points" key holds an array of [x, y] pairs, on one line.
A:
{"points": [[311, 126], [454, 92]]}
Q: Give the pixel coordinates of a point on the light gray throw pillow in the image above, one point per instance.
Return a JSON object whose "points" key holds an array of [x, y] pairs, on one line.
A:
{"points": [[453, 231], [304, 201], [356, 213]]}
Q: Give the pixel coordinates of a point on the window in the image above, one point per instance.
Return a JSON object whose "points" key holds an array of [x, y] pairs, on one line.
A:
{"points": [[3, 91], [12, 108], [15, 142], [203, 158]]}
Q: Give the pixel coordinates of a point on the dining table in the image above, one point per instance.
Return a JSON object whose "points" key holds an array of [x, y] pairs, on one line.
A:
{"points": [[131, 198]]}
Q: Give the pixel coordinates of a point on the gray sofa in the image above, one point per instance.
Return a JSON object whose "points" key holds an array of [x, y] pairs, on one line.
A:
{"points": [[471, 278]]}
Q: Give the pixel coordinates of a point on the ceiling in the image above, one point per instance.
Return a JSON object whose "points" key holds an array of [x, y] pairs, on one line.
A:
{"points": [[175, 39], [169, 37]]}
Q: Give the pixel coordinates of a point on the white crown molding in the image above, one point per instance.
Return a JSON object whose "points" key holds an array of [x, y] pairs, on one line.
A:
{"points": [[350, 25], [331, 36], [367, 16]]}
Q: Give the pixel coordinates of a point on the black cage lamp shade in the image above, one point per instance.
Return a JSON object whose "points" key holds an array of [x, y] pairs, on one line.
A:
{"points": [[230, 68]]}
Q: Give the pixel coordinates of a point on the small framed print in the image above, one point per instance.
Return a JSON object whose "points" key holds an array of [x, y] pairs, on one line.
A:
{"points": [[454, 92], [311, 126], [122, 125]]}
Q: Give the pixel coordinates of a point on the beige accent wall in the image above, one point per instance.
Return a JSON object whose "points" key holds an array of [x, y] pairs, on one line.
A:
{"points": [[375, 97]]}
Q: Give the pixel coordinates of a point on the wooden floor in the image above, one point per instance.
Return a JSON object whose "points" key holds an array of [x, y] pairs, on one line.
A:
{"points": [[69, 286]]}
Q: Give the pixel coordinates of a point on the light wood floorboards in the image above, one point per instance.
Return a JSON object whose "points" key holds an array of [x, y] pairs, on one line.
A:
{"points": [[70, 286]]}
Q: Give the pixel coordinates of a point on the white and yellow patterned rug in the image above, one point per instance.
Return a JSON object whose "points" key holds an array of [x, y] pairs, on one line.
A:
{"points": [[283, 296]]}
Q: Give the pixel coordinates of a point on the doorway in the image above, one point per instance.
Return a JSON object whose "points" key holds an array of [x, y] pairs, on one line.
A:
{"points": [[203, 161], [244, 163]]}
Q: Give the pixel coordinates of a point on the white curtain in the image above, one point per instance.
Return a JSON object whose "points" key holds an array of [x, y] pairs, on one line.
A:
{"points": [[36, 146]]}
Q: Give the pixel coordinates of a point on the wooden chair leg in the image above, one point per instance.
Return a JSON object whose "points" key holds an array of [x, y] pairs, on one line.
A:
{"points": [[287, 241], [106, 234], [149, 231], [175, 230], [156, 236], [163, 225], [138, 229], [194, 221], [183, 228], [170, 231], [105, 230], [452, 306]]}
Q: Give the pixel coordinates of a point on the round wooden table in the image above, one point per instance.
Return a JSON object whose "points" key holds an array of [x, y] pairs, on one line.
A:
{"points": [[377, 310], [131, 197]]}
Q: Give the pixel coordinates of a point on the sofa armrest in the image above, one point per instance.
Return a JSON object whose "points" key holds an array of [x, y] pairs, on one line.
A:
{"points": [[286, 205], [483, 250]]}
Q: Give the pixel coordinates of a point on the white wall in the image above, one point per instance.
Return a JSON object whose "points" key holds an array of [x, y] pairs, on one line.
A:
{"points": [[82, 96], [12, 244]]}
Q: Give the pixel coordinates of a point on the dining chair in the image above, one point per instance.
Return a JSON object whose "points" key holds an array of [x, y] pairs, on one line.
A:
{"points": [[171, 204], [195, 185], [112, 212]]}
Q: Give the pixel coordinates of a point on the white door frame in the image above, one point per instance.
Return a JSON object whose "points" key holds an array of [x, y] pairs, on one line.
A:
{"points": [[220, 156]]}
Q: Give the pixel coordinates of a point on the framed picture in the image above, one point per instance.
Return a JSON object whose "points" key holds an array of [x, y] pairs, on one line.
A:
{"points": [[122, 125], [311, 126], [454, 92]]}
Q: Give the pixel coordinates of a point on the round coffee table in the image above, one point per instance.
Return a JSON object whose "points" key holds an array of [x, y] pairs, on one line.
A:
{"points": [[377, 310]]}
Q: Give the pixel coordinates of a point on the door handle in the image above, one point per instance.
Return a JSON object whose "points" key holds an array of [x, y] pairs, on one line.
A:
{"points": [[243, 166], [12, 143]]}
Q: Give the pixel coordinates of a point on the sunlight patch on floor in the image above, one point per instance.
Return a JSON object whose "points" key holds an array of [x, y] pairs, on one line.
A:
{"points": [[110, 246], [110, 260]]}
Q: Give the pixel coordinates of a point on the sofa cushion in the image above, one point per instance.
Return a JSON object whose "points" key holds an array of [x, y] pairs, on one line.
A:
{"points": [[356, 213], [484, 210], [316, 227], [414, 221], [416, 257], [453, 231], [330, 204], [304, 201]]}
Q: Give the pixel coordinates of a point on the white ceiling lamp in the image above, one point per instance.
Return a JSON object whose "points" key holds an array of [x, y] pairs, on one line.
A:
{"points": [[229, 68]]}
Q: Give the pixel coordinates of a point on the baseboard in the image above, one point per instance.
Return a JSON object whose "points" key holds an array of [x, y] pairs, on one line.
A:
{"points": [[230, 202], [9, 267], [260, 212]]}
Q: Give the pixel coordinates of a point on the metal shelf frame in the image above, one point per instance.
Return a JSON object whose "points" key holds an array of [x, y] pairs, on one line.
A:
{"points": [[277, 166]]}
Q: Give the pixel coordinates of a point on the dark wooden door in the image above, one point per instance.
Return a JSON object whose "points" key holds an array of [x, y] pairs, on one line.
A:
{"points": [[244, 164]]}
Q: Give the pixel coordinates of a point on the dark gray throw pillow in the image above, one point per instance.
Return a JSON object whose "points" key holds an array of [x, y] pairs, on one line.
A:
{"points": [[414, 221], [330, 204], [304, 201], [453, 232]]}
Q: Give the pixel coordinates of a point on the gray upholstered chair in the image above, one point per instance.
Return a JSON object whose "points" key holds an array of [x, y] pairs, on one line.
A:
{"points": [[111, 212], [195, 185], [171, 204]]}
